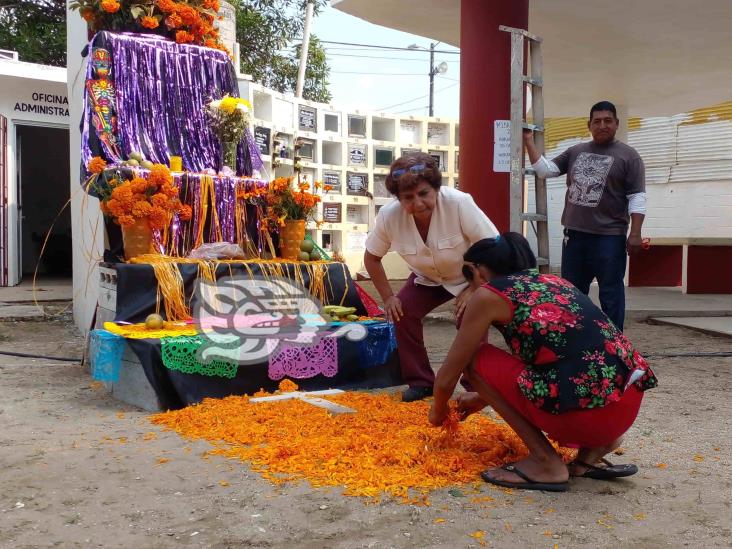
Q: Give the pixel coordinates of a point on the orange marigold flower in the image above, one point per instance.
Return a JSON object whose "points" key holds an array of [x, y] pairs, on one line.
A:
{"points": [[159, 200], [123, 193], [327, 188], [110, 6], [96, 165], [141, 209], [157, 218], [183, 37], [169, 191], [149, 22], [125, 220], [113, 206], [186, 213], [139, 185], [211, 4], [304, 186], [166, 6], [288, 386], [173, 21], [160, 175], [210, 43], [187, 13]]}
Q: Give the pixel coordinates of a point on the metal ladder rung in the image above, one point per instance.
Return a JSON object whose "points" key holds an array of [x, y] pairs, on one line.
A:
{"points": [[533, 127], [538, 82], [523, 32], [542, 261], [533, 217]]}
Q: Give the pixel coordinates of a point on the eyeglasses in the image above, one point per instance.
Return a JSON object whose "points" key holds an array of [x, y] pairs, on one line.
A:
{"points": [[416, 170]]}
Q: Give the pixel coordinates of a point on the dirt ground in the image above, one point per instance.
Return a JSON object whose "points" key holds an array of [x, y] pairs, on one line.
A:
{"points": [[80, 469]]}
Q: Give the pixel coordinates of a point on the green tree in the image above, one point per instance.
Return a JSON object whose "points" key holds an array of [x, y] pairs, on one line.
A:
{"points": [[36, 29], [265, 29]]}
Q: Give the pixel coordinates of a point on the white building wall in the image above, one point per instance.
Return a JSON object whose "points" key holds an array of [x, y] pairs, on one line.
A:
{"points": [[688, 178], [32, 95], [86, 218]]}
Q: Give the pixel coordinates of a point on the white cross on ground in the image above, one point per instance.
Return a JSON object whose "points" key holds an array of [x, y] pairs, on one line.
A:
{"points": [[311, 397]]}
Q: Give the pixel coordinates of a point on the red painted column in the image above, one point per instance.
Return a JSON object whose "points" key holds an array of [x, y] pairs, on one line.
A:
{"points": [[485, 96]]}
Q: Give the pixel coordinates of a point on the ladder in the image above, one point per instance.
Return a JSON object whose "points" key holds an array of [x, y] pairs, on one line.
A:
{"points": [[519, 80]]}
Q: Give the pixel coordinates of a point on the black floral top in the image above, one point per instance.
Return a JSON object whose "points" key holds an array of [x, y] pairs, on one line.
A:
{"points": [[575, 356]]}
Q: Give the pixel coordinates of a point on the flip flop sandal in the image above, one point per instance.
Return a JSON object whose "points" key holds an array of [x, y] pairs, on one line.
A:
{"points": [[528, 485], [608, 472]]}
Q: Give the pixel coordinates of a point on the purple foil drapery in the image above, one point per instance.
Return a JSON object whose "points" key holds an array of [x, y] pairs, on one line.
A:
{"points": [[161, 91], [225, 203]]}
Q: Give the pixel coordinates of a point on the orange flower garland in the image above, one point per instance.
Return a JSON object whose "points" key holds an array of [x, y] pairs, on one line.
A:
{"points": [[186, 21], [386, 448]]}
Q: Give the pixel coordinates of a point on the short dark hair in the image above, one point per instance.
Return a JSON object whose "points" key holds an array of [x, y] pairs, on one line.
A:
{"points": [[408, 180], [504, 255], [603, 106]]}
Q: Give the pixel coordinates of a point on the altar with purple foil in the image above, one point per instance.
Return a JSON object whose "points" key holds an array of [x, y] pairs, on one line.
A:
{"points": [[145, 103], [147, 94]]}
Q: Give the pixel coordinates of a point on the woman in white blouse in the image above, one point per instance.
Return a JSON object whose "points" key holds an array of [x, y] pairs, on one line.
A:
{"points": [[430, 226]]}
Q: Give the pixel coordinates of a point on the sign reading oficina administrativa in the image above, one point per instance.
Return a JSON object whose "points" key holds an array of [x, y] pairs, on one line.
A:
{"points": [[45, 103]]}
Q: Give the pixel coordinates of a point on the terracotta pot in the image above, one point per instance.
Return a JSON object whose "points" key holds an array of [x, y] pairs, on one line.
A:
{"points": [[137, 239], [291, 236]]}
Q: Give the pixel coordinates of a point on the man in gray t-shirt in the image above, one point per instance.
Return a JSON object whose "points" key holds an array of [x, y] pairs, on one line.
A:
{"points": [[605, 194]]}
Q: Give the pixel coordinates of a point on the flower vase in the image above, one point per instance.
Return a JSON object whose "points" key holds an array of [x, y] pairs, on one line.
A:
{"points": [[137, 239], [291, 236], [228, 153]]}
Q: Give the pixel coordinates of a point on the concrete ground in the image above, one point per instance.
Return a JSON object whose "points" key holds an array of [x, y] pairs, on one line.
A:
{"points": [[717, 325], [80, 469]]}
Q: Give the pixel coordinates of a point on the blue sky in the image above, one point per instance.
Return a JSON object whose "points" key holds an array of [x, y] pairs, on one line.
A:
{"points": [[362, 82]]}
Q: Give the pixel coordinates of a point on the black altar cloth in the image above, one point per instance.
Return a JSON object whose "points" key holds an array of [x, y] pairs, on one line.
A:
{"points": [[137, 286], [176, 389]]}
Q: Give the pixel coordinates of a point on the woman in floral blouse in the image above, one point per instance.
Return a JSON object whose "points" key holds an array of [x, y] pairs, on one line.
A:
{"points": [[571, 373]]}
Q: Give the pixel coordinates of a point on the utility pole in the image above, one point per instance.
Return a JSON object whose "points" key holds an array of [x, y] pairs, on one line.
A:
{"points": [[304, 51], [432, 78]]}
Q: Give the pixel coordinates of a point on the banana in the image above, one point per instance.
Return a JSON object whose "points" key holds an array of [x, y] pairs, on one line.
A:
{"points": [[338, 310]]}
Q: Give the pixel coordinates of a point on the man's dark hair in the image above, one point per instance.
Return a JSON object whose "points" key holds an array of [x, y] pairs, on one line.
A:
{"points": [[504, 255], [603, 106]]}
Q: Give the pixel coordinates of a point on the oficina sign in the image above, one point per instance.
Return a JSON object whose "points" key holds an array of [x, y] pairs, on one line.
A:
{"points": [[44, 103]]}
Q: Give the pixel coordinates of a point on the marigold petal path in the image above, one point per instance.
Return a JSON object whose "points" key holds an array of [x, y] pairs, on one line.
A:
{"points": [[387, 448]]}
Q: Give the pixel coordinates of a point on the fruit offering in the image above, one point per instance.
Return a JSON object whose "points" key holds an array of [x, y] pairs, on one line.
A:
{"points": [[154, 322], [339, 313], [308, 251]]}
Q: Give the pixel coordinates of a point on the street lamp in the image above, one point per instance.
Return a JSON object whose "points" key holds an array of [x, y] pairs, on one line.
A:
{"points": [[439, 69]]}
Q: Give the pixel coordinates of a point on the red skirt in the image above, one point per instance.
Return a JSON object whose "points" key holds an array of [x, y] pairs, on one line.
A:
{"points": [[583, 428]]}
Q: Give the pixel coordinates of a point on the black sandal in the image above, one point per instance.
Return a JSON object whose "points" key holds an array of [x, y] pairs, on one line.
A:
{"points": [[528, 485], [608, 472]]}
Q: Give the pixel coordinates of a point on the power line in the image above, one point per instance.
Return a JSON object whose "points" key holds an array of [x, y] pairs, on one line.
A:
{"points": [[382, 109], [412, 110], [376, 57], [454, 52], [381, 73]]}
